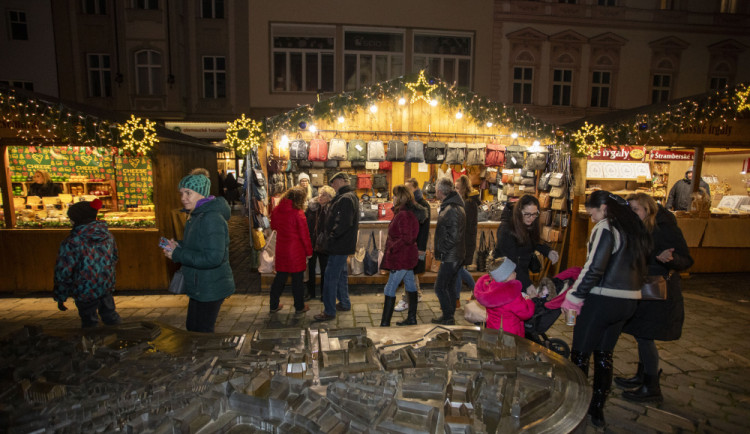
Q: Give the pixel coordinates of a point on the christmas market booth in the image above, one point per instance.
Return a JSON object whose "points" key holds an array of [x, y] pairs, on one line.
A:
{"points": [[650, 149], [416, 127], [56, 153]]}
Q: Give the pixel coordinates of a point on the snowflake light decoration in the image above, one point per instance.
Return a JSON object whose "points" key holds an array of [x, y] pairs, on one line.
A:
{"points": [[138, 135], [589, 139], [243, 134], [743, 99], [421, 89]]}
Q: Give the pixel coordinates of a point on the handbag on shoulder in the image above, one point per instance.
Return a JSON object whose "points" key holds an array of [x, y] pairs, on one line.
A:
{"points": [[654, 288], [177, 284], [371, 256]]}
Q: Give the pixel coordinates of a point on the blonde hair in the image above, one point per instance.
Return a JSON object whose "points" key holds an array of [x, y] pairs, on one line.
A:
{"points": [[45, 176], [649, 204], [327, 189]]}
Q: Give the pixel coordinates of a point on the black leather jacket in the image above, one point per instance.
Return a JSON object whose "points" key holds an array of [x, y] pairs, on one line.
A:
{"points": [[342, 223], [451, 229], [608, 270]]}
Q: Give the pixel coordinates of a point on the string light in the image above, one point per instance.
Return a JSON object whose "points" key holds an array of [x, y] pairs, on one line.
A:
{"points": [[589, 139], [373, 108], [138, 135], [421, 89], [433, 102], [489, 124], [243, 134], [340, 119], [459, 115], [402, 101]]}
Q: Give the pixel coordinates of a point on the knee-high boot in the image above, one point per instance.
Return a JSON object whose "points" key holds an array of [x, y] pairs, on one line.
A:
{"points": [[602, 383], [411, 315], [581, 360], [388, 305], [650, 390]]}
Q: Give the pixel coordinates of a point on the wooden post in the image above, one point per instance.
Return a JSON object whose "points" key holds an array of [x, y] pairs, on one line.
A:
{"points": [[9, 208], [697, 166]]}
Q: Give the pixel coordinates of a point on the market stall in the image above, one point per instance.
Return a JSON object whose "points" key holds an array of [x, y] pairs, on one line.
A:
{"points": [[650, 149], [131, 165], [419, 127]]}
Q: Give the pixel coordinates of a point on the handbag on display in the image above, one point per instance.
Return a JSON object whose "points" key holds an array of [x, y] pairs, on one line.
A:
{"points": [[475, 312], [380, 181], [434, 152], [357, 262], [557, 192], [317, 177], [259, 240], [495, 155], [177, 284], [475, 154], [298, 149], [337, 149], [276, 166], [331, 164], [372, 165], [482, 253], [345, 164], [429, 189], [371, 256], [474, 174], [415, 151], [268, 255], [385, 211], [456, 153], [304, 164], [550, 234], [545, 201], [559, 204], [457, 174], [556, 179], [396, 151], [357, 150], [545, 217], [279, 152], [537, 160], [385, 165], [318, 150], [364, 180], [368, 212], [353, 179], [358, 164], [491, 176], [483, 213], [543, 184], [515, 156], [654, 288], [496, 211], [375, 151]]}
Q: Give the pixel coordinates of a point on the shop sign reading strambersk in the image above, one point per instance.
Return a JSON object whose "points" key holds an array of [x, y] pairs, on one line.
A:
{"points": [[622, 153], [657, 154]]}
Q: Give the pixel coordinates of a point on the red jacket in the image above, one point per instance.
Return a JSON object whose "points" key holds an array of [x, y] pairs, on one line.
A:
{"points": [[292, 237], [505, 304], [401, 251]]}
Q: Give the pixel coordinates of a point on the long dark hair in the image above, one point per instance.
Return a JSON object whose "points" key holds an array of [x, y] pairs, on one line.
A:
{"points": [[636, 238], [525, 234]]}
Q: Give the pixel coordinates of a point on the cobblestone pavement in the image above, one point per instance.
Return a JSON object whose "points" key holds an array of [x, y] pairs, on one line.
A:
{"points": [[706, 379]]}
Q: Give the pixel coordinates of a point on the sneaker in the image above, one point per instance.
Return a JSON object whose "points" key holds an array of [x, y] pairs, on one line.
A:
{"points": [[401, 306], [281, 306]]}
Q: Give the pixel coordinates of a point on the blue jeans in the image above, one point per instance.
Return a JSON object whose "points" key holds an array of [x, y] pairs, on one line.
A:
{"points": [[395, 278], [463, 277], [336, 285], [445, 287]]}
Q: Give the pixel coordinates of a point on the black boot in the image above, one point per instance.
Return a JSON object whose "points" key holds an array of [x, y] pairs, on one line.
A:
{"points": [[632, 382], [649, 391], [411, 316], [581, 360], [602, 383], [388, 305]]}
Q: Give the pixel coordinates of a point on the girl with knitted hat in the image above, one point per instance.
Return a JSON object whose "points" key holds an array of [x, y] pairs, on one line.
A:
{"points": [[500, 292], [203, 252]]}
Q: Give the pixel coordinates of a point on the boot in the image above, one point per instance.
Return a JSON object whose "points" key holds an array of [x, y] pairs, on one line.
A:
{"points": [[632, 382], [581, 360], [388, 305], [649, 390], [411, 315], [602, 383]]}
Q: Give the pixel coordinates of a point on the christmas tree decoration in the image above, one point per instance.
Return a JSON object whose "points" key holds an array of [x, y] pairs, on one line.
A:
{"points": [[138, 136], [421, 89], [589, 139], [244, 134]]}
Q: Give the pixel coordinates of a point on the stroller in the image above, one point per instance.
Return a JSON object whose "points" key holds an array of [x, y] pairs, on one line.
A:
{"points": [[546, 311]]}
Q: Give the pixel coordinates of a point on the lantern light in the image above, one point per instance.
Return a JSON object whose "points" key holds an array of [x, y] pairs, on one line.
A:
{"points": [[402, 101], [459, 114], [513, 135], [373, 108], [489, 124], [313, 128], [340, 119]]}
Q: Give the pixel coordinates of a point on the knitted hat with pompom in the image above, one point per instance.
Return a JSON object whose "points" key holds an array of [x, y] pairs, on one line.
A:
{"points": [[198, 183]]}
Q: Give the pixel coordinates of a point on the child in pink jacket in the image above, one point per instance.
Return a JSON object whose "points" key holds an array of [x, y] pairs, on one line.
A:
{"points": [[500, 293]]}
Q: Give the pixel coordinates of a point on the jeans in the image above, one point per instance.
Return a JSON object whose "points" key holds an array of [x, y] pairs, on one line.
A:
{"points": [[336, 285], [323, 259], [201, 315], [463, 277], [445, 287], [395, 278], [106, 307], [298, 289]]}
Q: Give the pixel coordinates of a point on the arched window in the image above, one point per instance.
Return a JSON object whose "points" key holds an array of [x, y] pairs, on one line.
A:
{"points": [[148, 73]]}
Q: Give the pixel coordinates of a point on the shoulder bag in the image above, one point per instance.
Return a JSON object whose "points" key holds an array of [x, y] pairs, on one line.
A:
{"points": [[375, 151], [371, 256], [396, 151], [357, 150], [268, 255], [177, 284], [415, 151], [654, 288], [380, 181], [482, 253]]}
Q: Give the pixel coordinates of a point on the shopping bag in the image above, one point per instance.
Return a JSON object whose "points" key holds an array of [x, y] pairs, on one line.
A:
{"points": [[371, 256], [268, 255], [475, 312]]}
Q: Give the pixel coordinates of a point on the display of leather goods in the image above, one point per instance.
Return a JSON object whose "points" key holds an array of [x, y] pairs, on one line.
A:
{"points": [[304, 164], [371, 256], [380, 181], [557, 192], [356, 150], [337, 149], [385, 211], [517, 179], [396, 151], [317, 177], [528, 173], [491, 174], [496, 211], [557, 179], [268, 255], [368, 212], [429, 190], [331, 164], [177, 284], [259, 240], [537, 160], [298, 149], [276, 166], [528, 189], [358, 164], [550, 235], [482, 252], [654, 288], [545, 201], [279, 152], [415, 151], [318, 150], [507, 177], [543, 184], [345, 164], [434, 152], [495, 155], [357, 262], [545, 217], [559, 204], [527, 182], [372, 165], [456, 153], [475, 154], [515, 156], [375, 151], [364, 180]]}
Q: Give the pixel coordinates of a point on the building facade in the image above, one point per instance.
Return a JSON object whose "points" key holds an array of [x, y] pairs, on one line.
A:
{"points": [[211, 60]]}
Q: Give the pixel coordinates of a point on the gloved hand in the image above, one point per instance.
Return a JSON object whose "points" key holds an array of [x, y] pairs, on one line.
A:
{"points": [[61, 306], [568, 305], [553, 256]]}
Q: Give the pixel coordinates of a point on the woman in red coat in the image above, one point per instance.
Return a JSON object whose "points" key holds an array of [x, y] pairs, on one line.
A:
{"points": [[293, 247], [401, 251]]}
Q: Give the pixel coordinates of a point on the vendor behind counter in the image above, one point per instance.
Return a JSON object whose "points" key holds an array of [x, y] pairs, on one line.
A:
{"points": [[43, 185]]}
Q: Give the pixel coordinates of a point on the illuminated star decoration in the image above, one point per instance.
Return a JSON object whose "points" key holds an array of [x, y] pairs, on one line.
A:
{"points": [[421, 89], [243, 134], [589, 139], [138, 135], [743, 99]]}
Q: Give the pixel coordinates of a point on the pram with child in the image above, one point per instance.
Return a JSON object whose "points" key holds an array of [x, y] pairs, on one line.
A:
{"points": [[547, 310]]}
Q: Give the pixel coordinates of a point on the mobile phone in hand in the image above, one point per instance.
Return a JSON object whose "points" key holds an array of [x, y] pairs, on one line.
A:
{"points": [[164, 244]]}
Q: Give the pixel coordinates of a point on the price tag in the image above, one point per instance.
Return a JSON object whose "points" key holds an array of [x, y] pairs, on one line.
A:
{"points": [[362, 214], [375, 207], [514, 160], [379, 194], [382, 212], [485, 207], [359, 147], [440, 157], [423, 167]]}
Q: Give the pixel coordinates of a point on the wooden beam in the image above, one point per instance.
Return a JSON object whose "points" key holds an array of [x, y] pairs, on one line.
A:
{"points": [[9, 208], [697, 167]]}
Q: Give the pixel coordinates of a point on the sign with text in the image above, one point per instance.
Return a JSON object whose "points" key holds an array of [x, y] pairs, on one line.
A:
{"points": [[661, 155], [134, 180], [61, 162], [622, 153]]}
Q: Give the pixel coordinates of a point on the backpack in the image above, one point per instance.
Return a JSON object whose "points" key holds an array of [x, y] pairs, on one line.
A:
{"points": [[298, 149], [456, 153], [337, 149], [357, 150], [475, 154], [495, 155], [415, 151], [375, 151], [434, 153], [396, 151]]}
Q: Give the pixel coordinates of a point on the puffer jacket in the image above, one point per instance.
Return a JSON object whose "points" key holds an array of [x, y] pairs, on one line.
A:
{"points": [[342, 223], [85, 268], [451, 230], [522, 254], [401, 246], [293, 244], [204, 252], [315, 215], [471, 206], [680, 195], [505, 305], [608, 270]]}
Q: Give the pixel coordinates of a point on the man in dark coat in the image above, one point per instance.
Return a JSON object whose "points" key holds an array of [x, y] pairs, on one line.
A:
{"points": [[341, 229], [450, 247], [680, 196], [424, 234]]}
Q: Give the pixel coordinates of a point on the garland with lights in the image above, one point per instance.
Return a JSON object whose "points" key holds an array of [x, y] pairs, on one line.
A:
{"points": [[138, 136], [244, 134]]}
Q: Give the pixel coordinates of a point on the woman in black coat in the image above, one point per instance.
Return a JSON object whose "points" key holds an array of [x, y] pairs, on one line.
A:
{"points": [[471, 206], [656, 319], [317, 209]]}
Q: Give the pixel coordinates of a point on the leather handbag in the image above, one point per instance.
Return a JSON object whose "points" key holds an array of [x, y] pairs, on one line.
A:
{"points": [[279, 152], [375, 151], [491, 175], [545, 201], [514, 156], [337, 149], [429, 189], [318, 150], [556, 179], [357, 262], [557, 192], [368, 212], [543, 184], [475, 154], [380, 181], [317, 177], [372, 165], [550, 234], [496, 211], [482, 253], [434, 153], [385, 165], [331, 164], [545, 217], [268, 255], [456, 153], [495, 155], [357, 150], [371, 256], [385, 211], [415, 151], [298, 149], [396, 151], [654, 288], [364, 180], [177, 284], [559, 204], [537, 160]]}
